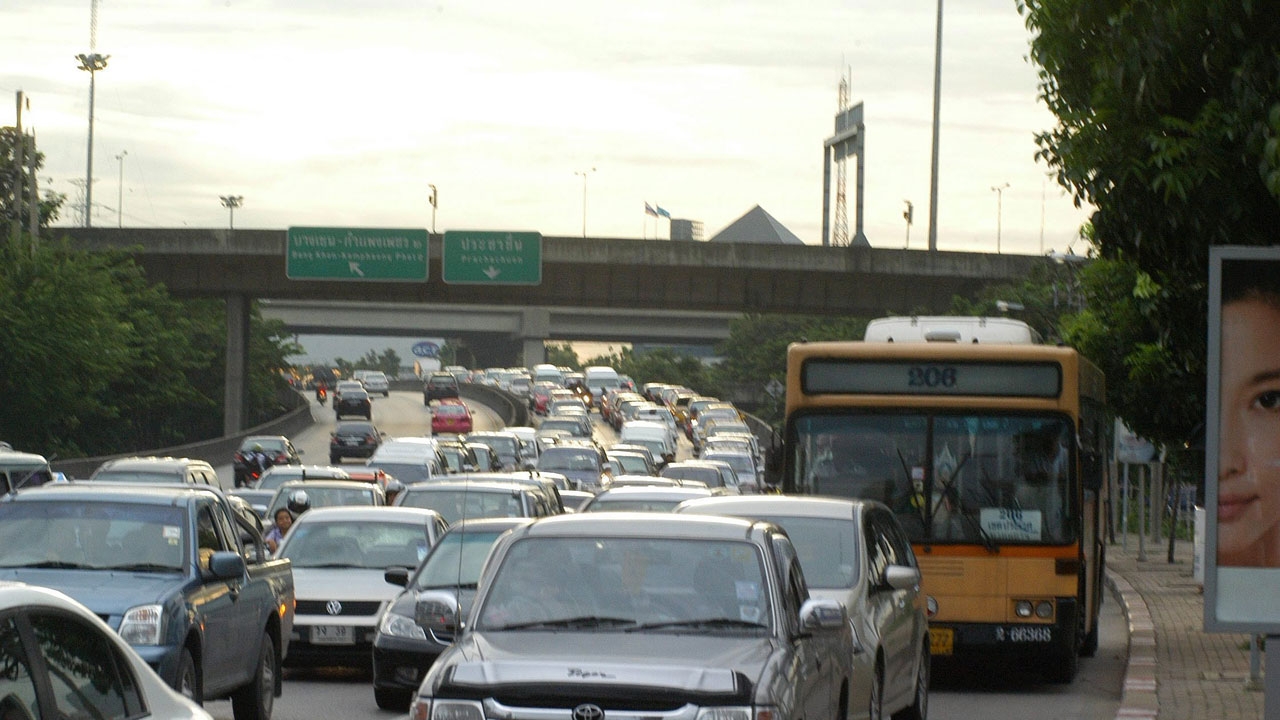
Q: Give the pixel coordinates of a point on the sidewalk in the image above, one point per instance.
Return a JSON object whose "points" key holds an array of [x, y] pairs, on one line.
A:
{"points": [[1176, 671]]}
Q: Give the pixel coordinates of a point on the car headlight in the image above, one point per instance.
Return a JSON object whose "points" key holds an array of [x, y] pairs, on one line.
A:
{"points": [[142, 625], [397, 625], [455, 710]]}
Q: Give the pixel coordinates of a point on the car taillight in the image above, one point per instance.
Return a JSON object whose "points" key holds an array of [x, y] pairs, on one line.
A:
{"points": [[280, 457], [368, 438], [239, 457]]}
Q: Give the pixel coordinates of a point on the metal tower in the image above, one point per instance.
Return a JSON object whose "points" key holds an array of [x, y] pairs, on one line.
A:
{"points": [[840, 234]]}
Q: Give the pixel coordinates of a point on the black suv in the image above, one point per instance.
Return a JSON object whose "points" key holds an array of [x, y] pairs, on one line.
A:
{"points": [[439, 385], [353, 402]]}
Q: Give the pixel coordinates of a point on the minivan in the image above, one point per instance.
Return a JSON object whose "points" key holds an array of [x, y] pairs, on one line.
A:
{"points": [[654, 435], [599, 379]]}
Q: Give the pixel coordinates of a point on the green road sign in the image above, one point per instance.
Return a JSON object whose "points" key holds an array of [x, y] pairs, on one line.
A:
{"points": [[391, 254], [492, 258]]}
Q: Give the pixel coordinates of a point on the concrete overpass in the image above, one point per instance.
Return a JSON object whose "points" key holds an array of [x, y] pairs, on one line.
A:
{"points": [[586, 276]]}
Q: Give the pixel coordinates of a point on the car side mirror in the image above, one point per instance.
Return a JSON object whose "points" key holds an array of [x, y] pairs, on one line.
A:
{"points": [[396, 576], [437, 613]]}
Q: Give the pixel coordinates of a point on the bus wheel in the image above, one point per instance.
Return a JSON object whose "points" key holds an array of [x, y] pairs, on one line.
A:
{"points": [[1067, 661]]}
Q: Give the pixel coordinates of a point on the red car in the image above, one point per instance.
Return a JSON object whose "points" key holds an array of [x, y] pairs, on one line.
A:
{"points": [[450, 416]]}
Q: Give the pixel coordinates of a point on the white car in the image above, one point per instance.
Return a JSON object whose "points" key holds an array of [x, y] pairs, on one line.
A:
{"points": [[339, 557], [375, 381], [84, 666], [856, 552]]}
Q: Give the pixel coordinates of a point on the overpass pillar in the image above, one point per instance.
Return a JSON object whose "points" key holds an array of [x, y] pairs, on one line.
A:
{"points": [[237, 363], [535, 329]]}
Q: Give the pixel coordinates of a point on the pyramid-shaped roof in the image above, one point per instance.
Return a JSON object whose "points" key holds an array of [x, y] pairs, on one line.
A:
{"points": [[757, 226]]}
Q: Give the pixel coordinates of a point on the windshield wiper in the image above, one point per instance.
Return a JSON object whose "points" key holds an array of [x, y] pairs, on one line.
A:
{"points": [[330, 566], [142, 567], [53, 564], [720, 622], [583, 622]]}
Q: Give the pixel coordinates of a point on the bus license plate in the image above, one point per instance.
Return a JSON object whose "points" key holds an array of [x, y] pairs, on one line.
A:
{"points": [[333, 635], [941, 641]]}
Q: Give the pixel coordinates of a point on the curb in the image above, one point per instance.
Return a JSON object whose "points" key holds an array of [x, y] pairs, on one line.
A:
{"points": [[1138, 698]]}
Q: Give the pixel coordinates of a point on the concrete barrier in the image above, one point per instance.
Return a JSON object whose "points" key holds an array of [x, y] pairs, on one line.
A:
{"points": [[217, 451]]}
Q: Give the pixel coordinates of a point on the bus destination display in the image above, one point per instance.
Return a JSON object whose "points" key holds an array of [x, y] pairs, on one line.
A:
{"points": [[912, 377]]}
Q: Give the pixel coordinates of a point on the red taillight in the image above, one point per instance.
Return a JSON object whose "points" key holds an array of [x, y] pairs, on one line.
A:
{"points": [[239, 457], [281, 458], [368, 438]]}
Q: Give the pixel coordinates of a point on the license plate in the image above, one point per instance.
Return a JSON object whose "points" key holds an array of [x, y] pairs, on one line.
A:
{"points": [[941, 641], [333, 635]]}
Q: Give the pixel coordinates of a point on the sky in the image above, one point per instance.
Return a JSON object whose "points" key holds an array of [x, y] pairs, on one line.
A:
{"points": [[536, 116]]}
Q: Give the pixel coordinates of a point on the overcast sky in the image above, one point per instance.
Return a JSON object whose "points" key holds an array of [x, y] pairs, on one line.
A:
{"points": [[331, 113]]}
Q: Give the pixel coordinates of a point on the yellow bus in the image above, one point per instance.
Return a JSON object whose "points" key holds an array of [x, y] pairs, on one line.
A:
{"points": [[991, 456]]}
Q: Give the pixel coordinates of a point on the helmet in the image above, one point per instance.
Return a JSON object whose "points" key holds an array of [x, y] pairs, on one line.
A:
{"points": [[257, 447], [298, 502]]}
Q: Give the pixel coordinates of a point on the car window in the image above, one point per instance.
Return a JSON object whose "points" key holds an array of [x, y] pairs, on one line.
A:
{"points": [[17, 686], [89, 676]]}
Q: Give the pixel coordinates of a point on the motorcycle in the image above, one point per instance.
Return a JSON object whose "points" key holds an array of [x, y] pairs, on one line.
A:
{"points": [[321, 395]]}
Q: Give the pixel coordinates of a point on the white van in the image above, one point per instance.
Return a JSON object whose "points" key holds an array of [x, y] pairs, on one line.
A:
{"points": [[548, 373], [653, 435], [599, 379], [957, 329]]}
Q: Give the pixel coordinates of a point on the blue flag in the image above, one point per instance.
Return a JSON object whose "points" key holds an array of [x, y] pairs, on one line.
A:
{"points": [[664, 213]]}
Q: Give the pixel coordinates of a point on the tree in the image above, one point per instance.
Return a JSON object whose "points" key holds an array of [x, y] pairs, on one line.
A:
{"points": [[19, 209], [97, 361], [563, 356], [661, 365], [1168, 124]]}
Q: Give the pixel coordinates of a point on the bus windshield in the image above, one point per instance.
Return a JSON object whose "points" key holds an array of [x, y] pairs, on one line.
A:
{"points": [[993, 478]]}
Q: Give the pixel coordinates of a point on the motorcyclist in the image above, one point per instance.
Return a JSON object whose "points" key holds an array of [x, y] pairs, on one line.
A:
{"points": [[258, 459], [322, 392]]}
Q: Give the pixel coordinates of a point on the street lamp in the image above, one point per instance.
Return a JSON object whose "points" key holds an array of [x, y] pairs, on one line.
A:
{"points": [[120, 191], [91, 63], [999, 191], [434, 200], [908, 215], [231, 202], [937, 99], [584, 174]]}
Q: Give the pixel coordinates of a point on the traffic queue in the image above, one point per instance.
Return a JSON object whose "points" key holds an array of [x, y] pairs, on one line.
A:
{"points": [[471, 570]]}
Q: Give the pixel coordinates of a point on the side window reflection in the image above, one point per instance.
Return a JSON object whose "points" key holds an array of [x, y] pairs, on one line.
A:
{"points": [[88, 677]]}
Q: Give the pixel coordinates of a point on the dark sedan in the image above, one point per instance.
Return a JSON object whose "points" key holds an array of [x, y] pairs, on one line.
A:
{"points": [[444, 585], [354, 402], [354, 439]]}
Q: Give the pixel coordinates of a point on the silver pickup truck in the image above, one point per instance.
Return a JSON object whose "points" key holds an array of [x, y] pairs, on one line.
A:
{"points": [[627, 616]]}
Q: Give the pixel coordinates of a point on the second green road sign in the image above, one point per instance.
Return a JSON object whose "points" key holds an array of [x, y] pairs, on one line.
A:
{"points": [[396, 255], [492, 258]]}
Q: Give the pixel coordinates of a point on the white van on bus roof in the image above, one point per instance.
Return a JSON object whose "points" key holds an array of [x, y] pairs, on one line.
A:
{"points": [[946, 328]]}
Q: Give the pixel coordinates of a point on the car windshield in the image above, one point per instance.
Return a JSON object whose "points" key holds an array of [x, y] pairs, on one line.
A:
{"points": [[362, 544], [740, 463], [451, 411], [458, 503], [456, 560], [633, 464], [320, 497], [268, 444], [628, 584], [568, 459], [357, 429], [406, 472], [93, 535], [137, 476]]}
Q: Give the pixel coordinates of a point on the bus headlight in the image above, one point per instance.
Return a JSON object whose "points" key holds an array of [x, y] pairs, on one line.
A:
{"points": [[1044, 609], [1022, 608]]}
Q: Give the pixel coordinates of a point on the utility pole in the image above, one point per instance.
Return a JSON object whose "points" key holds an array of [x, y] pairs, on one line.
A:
{"points": [[584, 174], [120, 191], [999, 191], [18, 184], [435, 201], [937, 99], [908, 215]]}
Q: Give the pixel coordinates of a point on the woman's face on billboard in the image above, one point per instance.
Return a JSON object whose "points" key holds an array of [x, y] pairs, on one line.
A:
{"points": [[1249, 442]]}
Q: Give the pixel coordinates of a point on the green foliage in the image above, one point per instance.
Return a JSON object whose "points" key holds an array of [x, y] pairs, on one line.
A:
{"points": [[563, 356], [1168, 123], [661, 365], [96, 361], [10, 172], [388, 361]]}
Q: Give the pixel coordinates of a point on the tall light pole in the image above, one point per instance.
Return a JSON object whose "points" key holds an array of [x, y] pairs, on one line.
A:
{"points": [[435, 201], [584, 174], [91, 63], [999, 191], [120, 191], [937, 98], [908, 215], [231, 202]]}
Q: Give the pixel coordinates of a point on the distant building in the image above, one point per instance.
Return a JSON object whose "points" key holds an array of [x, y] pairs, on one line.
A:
{"points": [[686, 229], [757, 226]]}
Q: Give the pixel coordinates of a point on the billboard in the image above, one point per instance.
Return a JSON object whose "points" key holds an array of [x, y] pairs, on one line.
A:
{"points": [[1242, 441]]}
